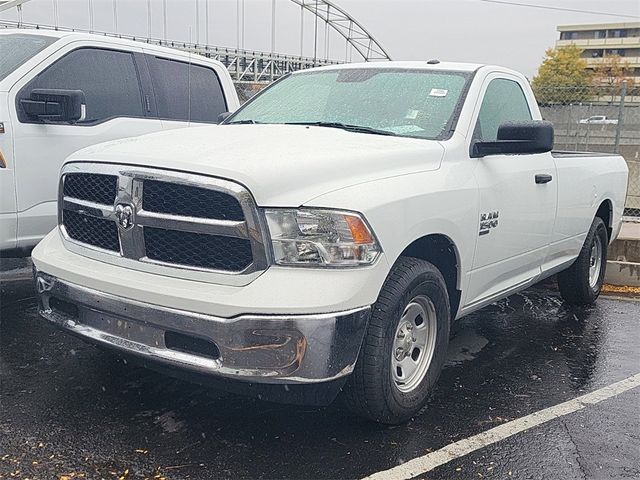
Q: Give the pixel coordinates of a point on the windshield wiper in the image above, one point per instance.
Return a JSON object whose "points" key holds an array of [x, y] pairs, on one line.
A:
{"points": [[242, 122], [345, 126]]}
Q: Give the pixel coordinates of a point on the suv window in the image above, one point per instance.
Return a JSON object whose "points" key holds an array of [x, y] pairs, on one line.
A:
{"points": [[108, 78], [504, 101], [173, 83]]}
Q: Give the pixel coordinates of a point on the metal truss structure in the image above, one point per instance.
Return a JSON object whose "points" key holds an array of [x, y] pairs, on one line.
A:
{"points": [[250, 66], [347, 27]]}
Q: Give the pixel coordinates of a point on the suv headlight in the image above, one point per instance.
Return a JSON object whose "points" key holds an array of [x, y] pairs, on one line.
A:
{"points": [[319, 237]]}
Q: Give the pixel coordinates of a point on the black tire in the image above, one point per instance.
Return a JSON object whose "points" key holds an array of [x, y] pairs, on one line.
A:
{"points": [[574, 283], [371, 390]]}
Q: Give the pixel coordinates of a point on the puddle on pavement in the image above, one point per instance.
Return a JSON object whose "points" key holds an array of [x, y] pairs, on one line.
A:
{"points": [[465, 346]]}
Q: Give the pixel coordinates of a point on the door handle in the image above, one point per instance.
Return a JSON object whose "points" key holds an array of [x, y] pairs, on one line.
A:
{"points": [[543, 178]]}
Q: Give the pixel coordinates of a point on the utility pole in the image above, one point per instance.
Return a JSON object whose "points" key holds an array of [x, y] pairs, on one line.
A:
{"points": [[623, 94], [197, 21], [90, 16], [243, 25], [326, 35], [301, 31], [273, 26], [149, 26], [115, 16], [206, 21], [238, 25], [55, 13], [315, 37], [164, 20], [273, 38]]}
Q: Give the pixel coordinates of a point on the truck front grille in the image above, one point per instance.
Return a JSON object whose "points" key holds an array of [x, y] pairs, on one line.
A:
{"points": [[162, 218], [91, 187], [94, 231], [189, 201], [196, 249]]}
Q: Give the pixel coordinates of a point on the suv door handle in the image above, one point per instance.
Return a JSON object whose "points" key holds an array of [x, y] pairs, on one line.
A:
{"points": [[543, 178]]}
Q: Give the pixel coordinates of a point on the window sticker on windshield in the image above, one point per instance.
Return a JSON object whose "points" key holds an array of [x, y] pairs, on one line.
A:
{"points": [[438, 92]]}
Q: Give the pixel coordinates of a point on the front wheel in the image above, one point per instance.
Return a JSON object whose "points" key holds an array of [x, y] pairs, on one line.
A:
{"points": [[581, 283], [405, 345]]}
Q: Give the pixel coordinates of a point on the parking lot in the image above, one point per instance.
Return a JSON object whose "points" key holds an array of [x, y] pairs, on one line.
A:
{"points": [[70, 410]]}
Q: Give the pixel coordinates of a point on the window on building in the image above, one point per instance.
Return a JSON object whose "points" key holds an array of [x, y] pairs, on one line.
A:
{"points": [[600, 34], [568, 35], [504, 101], [620, 33], [616, 51]]}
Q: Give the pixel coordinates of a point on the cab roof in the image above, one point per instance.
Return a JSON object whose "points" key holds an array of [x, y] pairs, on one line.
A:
{"points": [[93, 37], [413, 64]]}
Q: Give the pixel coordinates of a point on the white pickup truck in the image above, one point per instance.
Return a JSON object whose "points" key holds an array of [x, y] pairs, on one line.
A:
{"points": [[63, 91], [599, 120], [326, 235]]}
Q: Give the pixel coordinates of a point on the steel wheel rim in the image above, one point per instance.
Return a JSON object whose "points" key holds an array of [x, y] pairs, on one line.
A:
{"points": [[414, 344], [595, 262]]}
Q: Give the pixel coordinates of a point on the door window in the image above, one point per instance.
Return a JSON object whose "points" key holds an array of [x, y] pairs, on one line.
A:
{"points": [[186, 92], [504, 101], [108, 78]]}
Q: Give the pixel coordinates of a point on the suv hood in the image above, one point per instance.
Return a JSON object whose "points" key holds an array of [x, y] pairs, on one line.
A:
{"points": [[282, 165]]}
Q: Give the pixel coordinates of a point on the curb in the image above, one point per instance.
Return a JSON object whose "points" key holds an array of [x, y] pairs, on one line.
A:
{"points": [[623, 274]]}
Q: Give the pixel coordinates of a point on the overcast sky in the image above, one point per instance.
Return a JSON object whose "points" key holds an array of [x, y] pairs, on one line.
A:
{"points": [[457, 30]]}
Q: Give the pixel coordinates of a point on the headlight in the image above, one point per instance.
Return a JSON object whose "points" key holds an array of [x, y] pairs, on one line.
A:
{"points": [[320, 237]]}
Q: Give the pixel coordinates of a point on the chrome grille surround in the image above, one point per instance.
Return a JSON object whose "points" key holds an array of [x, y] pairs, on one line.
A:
{"points": [[132, 249]]}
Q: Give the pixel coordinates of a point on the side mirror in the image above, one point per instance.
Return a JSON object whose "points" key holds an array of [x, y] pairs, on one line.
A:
{"points": [[223, 116], [54, 105], [517, 138]]}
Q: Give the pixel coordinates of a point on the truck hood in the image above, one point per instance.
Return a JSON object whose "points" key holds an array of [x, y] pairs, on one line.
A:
{"points": [[282, 165]]}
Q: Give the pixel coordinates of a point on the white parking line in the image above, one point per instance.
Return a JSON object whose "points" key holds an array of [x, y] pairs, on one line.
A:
{"points": [[426, 463]]}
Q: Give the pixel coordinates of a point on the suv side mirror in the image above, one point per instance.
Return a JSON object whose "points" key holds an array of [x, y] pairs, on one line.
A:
{"points": [[54, 105], [223, 116], [533, 136]]}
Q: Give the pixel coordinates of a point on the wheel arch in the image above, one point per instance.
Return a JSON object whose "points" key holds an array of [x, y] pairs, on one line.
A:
{"points": [[442, 252], [605, 213]]}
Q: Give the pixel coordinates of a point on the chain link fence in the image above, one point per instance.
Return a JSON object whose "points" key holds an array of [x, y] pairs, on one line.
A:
{"points": [[587, 119], [598, 119]]}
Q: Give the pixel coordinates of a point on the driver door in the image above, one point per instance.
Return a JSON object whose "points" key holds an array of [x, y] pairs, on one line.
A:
{"points": [[516, 210]]}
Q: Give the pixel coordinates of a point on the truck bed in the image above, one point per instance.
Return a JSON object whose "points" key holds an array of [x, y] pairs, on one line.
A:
{"points": [[566, 153]]}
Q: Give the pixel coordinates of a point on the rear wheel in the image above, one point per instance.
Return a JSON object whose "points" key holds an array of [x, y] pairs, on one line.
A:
{"points": [[581, 283], [405, 345]]}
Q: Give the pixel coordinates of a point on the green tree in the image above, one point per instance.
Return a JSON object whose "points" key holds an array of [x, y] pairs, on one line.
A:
{"points": [[609, 74], [562, 77]]}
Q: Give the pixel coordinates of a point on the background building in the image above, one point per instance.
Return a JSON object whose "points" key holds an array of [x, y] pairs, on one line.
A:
{"points": [[602, 40]]}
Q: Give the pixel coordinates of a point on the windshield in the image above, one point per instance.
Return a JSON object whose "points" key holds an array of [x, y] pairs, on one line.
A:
{"points": [[403, 102], [15, 49]]}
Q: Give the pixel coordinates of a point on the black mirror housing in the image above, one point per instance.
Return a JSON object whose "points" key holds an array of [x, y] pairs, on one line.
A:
{"points": [[517, 138], [54, 105]]}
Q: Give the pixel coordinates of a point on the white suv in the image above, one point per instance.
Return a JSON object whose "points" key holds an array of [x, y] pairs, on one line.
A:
{"points": [[60, 92]]}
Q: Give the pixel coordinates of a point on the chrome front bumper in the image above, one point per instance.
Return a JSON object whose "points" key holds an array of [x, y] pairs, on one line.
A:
{"points": [[290, 349]]}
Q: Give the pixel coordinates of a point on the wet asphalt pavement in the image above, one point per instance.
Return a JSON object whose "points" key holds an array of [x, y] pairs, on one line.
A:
{"points": [[68, 408]]}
